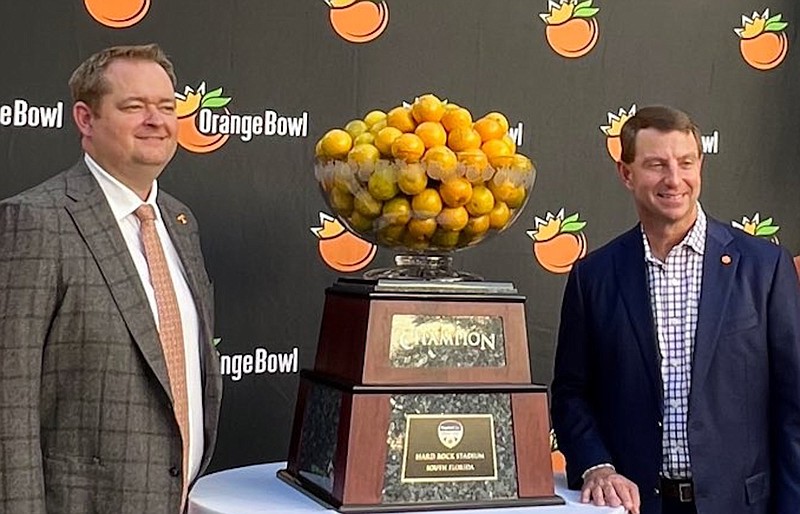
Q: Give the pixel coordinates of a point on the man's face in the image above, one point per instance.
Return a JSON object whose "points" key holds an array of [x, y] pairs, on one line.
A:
{"points": [[664, 178], [133, 132]]}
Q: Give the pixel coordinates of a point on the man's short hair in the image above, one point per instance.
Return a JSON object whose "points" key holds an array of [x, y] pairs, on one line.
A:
{"points": [[661, 118], [88, 84]]}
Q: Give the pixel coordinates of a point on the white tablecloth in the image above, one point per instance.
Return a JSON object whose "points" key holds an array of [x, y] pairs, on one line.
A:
{"points": [[256, 490]]}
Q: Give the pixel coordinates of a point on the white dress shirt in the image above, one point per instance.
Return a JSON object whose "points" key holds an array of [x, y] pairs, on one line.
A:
{"points": [[123, 202]]}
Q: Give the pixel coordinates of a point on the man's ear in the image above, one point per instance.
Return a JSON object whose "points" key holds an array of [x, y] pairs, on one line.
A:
{"points": [[624, 173], [83, 116]]}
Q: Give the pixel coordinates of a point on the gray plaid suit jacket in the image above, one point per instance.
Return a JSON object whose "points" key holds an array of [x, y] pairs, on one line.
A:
{"points": [[86, 423]]}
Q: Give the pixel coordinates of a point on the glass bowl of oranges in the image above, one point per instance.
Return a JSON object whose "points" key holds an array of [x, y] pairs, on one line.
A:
{"points": [[424, 179]]}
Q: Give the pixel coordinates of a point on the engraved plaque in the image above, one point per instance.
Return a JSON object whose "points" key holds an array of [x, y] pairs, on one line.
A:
{"points": [[438, 341], [449, 448]]}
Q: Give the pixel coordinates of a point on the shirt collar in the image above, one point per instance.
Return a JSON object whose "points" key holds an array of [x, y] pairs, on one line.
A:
{"points": [[694, 239], [122, 200]]}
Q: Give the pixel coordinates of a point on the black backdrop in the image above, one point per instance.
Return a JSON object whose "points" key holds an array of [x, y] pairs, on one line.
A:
{"points": [[256, 200]]}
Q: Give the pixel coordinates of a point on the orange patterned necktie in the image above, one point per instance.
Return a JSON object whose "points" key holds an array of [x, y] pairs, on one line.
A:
{"points": [[169, 328]]}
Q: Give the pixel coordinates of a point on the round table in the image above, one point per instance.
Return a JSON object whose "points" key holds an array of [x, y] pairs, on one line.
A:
{"points": [[257, 490]]}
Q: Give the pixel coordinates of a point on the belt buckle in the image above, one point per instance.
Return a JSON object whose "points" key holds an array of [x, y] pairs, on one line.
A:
{"points": [[685, 492]]}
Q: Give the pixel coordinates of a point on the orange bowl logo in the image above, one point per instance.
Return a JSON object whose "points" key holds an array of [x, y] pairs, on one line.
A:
{"points": [[613, 130], [572, 29], [187, 106], [755, 226], [762, 40], [558, 242], [358, 21], [117, 14], [340, 249]]}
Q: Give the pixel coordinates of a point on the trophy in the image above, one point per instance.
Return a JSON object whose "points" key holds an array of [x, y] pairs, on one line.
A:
{"points": [[420, 397]]}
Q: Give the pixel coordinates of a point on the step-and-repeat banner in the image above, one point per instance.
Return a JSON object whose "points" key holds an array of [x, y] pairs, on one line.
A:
{"points": [[260, 81]]}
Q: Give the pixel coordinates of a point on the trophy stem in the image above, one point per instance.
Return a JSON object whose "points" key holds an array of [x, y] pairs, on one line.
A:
{"points": [[422, 267]]}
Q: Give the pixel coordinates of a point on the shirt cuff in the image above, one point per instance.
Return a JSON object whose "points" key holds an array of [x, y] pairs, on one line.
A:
{"points": [[604, 465]]}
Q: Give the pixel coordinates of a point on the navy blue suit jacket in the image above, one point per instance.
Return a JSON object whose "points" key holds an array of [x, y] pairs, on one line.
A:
{"points": [[744, 404]]}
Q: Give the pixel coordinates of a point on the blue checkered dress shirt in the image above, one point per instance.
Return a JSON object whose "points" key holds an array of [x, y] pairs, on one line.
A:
{"points": [[674, 298]]}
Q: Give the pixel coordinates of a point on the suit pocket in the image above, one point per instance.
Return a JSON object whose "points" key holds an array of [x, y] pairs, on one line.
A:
{"points": [[75, 484], [757, 487]]}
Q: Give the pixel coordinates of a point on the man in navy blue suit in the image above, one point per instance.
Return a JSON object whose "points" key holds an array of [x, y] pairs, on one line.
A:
{"points": [[677, 376]]}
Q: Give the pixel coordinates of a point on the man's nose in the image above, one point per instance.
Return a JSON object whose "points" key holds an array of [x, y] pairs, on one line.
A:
{"points": [[673, 174], [154, 116]]}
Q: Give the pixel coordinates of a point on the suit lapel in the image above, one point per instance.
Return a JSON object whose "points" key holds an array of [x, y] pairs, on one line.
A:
{"points": [[98, 228], [631, 275], [714, 295], [180, 233]]}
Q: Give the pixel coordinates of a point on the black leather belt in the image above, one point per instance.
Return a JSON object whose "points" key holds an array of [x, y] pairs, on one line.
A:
{"points": [[681, 490]]}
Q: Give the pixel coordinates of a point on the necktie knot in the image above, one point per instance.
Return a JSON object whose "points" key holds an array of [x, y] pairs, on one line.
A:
{"points": [[145, 212]]}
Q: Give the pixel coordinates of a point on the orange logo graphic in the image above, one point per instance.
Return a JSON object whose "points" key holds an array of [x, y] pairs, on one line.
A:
{"points": [[340, 249], [757, 227], [558, 242], [358, 21], [117, 14], [188, 105], [613, 129], [572, 28], [763, 43]]}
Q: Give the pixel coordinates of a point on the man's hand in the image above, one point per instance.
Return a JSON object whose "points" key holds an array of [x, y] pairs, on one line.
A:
{"points": [[604, 486]]}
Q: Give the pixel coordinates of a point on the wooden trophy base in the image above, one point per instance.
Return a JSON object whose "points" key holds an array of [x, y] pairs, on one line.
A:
{"points": [[390, 448]]}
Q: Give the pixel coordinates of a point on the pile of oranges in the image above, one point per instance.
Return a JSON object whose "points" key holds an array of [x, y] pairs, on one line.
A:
{"points": [[424, 176]]}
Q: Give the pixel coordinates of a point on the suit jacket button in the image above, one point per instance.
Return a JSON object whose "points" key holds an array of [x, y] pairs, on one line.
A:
{"points": [[656, 491], [174, 471]]}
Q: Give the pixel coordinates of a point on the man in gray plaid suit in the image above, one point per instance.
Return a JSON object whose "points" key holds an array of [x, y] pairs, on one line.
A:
{"points": [[86, 414]]}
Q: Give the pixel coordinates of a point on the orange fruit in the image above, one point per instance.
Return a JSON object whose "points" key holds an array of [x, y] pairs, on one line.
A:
{"points": [[498, 153], [476, 226], [507, 139], [408, 147], [432, 133], [397, 211], [412, 179], [474, 158], [481, 202], [445, 238], [489, 129], [377, 127], [385, 138], [355, 128], [391, 235], [427, 204], [341, 201], [401, 119], [516, 197], [427, 108], [421, 228], [456, 117], [499, 118], [464, 138], [367, 138], [381, 185], [366, 205], [374, 117], [336, 143], [359, 222], [363, 154], [521, 162], [440, 160], [456, 191], [499, 216], [453, 218]]}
